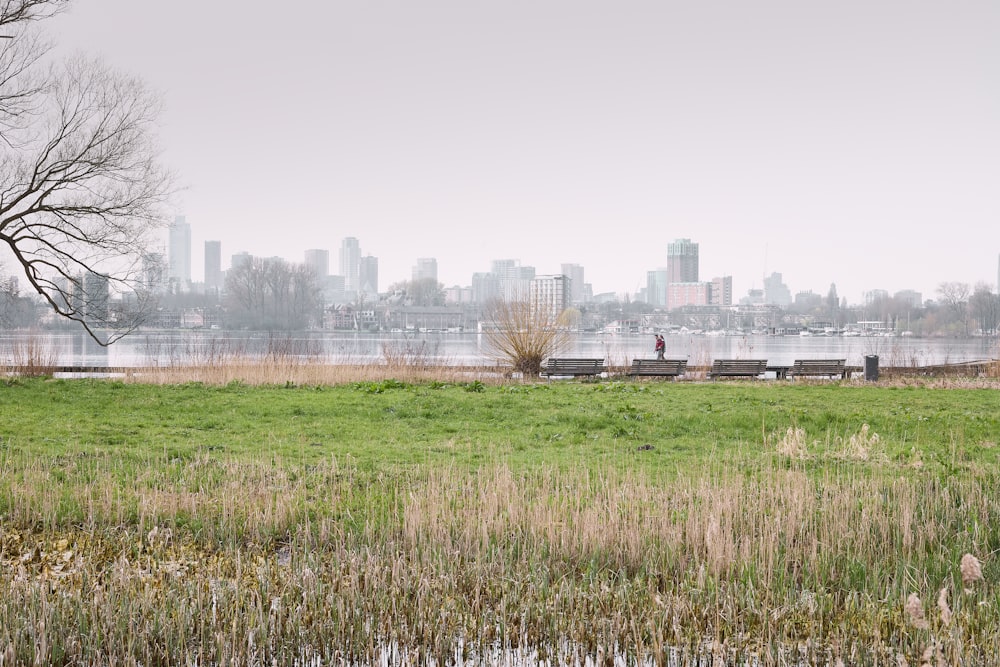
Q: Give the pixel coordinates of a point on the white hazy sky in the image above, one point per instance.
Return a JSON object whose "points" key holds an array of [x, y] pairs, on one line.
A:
{"points": [[854, 142]]}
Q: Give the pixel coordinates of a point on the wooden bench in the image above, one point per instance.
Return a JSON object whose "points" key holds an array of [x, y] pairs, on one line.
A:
{"points": [[732, 368], [658, 367], [572, 367], [818, 368]]}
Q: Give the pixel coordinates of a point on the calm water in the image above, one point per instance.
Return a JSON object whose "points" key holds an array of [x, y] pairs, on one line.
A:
{"points": [[186, 347]]}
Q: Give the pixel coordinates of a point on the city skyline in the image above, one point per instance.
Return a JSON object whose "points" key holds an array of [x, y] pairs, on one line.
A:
{"points": [[682, 253], [844, 143]]}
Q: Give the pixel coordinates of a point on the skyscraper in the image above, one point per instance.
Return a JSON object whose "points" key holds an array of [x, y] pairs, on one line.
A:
{"points": [[213, 265], [368, 276], [319, 262], [682, 261], [656, 287], [179, 249], [575, 274], [350, 264]]}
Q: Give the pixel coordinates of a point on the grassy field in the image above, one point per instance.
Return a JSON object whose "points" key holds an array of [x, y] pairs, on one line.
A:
{"points": [[824, 523]]}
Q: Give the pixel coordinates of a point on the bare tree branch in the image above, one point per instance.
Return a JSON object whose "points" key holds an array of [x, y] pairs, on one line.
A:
{"points": [[13, 12], [81, 188]]}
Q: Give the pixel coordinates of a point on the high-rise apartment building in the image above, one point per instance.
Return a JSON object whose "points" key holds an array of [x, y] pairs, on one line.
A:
{"points": [[318, 261], [213, 265], [776, 292], [656, 287], [550, 295], [513, 280], [682, 261], [426, 268], [485, 288], [722, 291], [350, 264], [575, 274], [368, 276], [179, 249]]}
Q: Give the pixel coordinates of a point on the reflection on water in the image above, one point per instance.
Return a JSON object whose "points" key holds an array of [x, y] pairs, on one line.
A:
{"points": [[171, 348]]}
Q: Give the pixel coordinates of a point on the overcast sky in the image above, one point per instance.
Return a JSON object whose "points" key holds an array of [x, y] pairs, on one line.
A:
{"points": [[854, 142]]}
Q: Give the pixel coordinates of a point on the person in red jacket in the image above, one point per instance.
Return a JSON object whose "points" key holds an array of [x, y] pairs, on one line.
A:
{"points": [[660, 347]]}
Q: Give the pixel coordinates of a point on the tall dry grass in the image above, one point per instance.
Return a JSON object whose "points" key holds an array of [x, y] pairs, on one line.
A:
{"points": [[31, 354], [289, 362], [217, 562]]}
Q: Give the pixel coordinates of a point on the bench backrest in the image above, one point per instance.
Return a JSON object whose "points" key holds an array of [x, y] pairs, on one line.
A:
{"points": [[819, 367], [738, 366], [557, 366], [658, 366]]}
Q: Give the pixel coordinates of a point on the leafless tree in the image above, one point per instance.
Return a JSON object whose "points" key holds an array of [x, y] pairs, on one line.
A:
{"points": [[272, 294], [81, 187], [523, 334], [955, 298], [985, 307]]}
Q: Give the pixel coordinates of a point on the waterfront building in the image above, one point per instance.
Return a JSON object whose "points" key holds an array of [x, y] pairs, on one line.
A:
{"points": [[550, 295]]}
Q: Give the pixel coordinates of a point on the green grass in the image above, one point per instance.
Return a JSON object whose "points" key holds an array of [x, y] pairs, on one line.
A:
{"points": [[557, 424], [773, 519]]}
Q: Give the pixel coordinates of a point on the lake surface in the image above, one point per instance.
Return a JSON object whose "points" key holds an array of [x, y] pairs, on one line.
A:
{"points": [[178, 347]]}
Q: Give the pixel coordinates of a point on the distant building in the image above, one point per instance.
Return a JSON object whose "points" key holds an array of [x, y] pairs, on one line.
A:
{"points": [[239, 259], [426, 268], [577, 286], [368, 277], [96, 296], [807, 301], [350, 264], [776, 292], [656, 287], [876, 296], [682, 261], [179, 253], [513, 280], [485, 287], [680, 295], [457, 295], [722, 291], [154, 272], [318, 261], [910, 298], [550, 294], [213, 265]]}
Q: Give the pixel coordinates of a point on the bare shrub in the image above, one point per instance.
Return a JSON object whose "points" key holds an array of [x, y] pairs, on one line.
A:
{"points": [[523, 334]]}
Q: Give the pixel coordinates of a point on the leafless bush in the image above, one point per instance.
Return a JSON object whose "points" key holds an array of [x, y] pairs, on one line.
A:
{"points": [[523, 334]]}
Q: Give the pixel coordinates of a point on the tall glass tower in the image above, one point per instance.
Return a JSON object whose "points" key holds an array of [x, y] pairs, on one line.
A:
{"points": [[350, 264], [179, 252]]}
